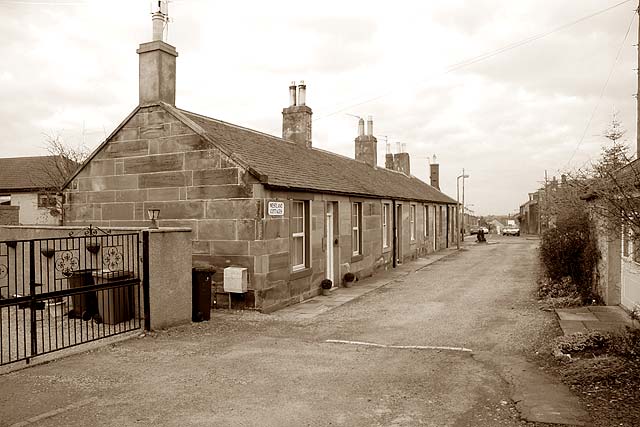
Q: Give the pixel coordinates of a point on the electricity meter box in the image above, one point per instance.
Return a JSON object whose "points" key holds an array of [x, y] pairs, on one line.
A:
{"points": [[235, 280]]}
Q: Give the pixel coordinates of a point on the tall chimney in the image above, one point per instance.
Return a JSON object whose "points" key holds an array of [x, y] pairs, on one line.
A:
{"points": [[434, 170], [367, 145], [296, 119], [157, 69]]}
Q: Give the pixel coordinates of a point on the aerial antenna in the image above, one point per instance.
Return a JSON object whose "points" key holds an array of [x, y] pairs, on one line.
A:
{"points": [[162, 6]]}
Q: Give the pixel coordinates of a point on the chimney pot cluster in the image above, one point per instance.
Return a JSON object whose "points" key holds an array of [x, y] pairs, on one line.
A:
{"points": [[366, 144], [296, 118], [297, 94], [400, 161]]}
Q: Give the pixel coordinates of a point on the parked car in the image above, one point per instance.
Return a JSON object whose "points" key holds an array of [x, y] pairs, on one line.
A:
{"points": [[511, 230], [484, 229], [473, 230]]}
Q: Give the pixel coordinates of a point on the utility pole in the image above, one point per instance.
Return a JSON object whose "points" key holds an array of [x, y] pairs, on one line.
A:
{"points": [[638, 92], [546, 205], [463, 205]]}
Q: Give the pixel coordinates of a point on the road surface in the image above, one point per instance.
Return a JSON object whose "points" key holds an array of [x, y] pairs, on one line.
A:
{"points": [[250, 369]]}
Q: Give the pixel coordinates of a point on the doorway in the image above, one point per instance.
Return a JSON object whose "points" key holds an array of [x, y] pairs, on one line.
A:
{"points": [[332, 241], [398, 234]]}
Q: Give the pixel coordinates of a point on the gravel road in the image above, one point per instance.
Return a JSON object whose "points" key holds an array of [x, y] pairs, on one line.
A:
{"points": [[249, 369]]}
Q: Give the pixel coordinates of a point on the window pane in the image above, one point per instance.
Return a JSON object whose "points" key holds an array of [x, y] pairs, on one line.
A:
{"points": [[298, 251], [356, 242]]}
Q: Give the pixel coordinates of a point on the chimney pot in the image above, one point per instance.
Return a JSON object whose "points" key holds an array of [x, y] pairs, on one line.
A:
{"points": [[158, 20], [370, 125], [302, 93], [361, 127], [292, 94]]}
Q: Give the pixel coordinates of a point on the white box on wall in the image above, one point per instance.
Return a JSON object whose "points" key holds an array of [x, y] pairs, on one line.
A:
{"points": [[235, 280]]}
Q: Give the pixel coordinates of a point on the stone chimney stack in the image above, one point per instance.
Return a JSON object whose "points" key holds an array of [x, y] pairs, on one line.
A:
{"points": [[434, 172], [367, 145], [399, 162], [296, 118], [402, 163], [157, 79]]}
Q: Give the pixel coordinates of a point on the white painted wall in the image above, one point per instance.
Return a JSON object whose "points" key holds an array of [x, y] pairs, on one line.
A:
{"points": [[630, 298], [30, 213]]}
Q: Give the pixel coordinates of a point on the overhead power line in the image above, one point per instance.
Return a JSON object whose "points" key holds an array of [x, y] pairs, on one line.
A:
{"points": [[43, 3], [604, 89], [487, 55]]}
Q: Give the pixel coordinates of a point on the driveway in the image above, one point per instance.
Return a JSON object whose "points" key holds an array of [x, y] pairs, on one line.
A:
{"points": [[250, 369]]}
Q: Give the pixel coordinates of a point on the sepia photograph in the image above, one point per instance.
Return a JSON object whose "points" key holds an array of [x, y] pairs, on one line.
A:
{"points": [[287, 214]]}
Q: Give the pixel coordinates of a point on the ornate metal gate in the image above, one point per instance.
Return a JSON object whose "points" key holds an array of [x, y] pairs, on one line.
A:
{"points": [[61, 292]]}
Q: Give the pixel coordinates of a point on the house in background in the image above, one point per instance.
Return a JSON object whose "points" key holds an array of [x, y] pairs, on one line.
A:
{"points": [[530, 213], [495, 226], [27, 191], [289, 213]]}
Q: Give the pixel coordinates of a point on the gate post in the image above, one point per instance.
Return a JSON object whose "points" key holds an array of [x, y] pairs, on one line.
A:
{"points": [[32, 295], [145, 280]]}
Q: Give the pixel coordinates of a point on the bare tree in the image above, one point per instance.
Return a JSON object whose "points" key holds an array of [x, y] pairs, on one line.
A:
{"points": [[608, 188], [63, 162]]}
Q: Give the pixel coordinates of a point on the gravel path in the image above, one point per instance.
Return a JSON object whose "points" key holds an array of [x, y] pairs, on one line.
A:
{"points": [[249, 369]]}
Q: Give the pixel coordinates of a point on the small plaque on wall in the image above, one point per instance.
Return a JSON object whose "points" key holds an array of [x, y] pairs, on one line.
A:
{"points": [[276, 208]]}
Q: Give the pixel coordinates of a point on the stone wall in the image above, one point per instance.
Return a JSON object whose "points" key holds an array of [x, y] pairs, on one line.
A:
{"points": [[155, 161], [9, 215]]}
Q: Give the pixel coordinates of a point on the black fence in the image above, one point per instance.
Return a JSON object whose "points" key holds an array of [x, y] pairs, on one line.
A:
{"points": [[61, 292]]}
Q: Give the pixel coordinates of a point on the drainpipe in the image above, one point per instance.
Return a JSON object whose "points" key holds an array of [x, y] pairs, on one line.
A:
{"points": [[395, 235]]}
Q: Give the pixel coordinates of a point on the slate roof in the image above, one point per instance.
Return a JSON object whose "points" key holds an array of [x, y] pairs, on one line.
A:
{"points": [[283, 164], [22, 174]]}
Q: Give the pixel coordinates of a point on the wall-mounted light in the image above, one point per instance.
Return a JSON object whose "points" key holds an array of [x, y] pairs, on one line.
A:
{"points": [[153, 216]]}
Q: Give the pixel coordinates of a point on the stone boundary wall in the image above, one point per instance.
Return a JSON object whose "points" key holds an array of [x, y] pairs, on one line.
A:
{"points": [[9, 215]]}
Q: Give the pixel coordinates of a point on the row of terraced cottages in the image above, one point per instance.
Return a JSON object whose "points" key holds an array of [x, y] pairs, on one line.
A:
{"points": [[291, 214]]}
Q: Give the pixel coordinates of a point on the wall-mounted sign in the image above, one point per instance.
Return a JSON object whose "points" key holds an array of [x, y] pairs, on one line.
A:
{"points": [[276, 208]]}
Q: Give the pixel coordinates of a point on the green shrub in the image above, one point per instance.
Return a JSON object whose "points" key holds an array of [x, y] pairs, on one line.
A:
{"points": [[569, 250]]}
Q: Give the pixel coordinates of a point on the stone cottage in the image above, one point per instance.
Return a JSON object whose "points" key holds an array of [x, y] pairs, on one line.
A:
{"points": [[291, 214]]}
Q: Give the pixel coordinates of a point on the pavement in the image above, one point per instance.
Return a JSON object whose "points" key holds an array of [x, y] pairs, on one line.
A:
{"points": [[593, 318], [315, 306]]}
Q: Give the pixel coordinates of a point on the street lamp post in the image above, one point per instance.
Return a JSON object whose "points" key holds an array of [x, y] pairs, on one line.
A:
{"points": [[459, 229]]}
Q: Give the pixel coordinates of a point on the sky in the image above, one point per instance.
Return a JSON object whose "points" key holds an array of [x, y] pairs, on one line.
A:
{"points": [[468, 81]]}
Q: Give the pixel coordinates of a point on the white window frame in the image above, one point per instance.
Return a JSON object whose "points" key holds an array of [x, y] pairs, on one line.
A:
{"points": [[385, 225], [412, 221], [301, 234], [356, 228]]}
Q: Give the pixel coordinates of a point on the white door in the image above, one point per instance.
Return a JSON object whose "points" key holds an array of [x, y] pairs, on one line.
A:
{"points": [[330, 238]]}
